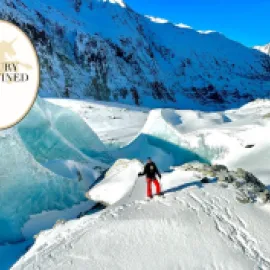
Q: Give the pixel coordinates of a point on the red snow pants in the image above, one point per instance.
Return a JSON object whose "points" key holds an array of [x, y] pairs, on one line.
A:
{"points": [[149, 186]]}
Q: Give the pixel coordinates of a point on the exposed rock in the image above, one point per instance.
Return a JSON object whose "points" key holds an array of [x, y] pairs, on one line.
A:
{"points": [[266, 116], [264, 196], [250, 188], [219, 168], [249, 146], [240, 172], [224, 176], [243, 198], [205, 169], [239, 183], [224, 185], [251, 180], [59, 222]]}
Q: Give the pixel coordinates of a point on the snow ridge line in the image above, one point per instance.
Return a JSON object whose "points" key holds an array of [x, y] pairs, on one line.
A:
{"points": [[228, 224], [233, 231], [66, 243]]}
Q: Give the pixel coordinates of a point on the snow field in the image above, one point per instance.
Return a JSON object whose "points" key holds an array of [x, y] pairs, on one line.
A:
{"points": [[162, 233], [172, 138]]}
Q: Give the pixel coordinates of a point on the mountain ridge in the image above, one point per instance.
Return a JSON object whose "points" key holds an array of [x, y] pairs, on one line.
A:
{"points": [[107, 51], [264, 48]]}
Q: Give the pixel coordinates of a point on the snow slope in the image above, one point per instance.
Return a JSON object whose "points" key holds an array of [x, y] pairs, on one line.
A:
{"points": [[189, 215], [161, 234], [264, 49], [107, 51]]}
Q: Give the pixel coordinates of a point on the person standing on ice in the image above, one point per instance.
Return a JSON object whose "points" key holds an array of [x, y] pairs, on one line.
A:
{"points": [[151, 170]]}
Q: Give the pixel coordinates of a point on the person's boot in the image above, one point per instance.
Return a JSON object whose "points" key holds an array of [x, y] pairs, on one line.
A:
{"points": [[161, 194]]}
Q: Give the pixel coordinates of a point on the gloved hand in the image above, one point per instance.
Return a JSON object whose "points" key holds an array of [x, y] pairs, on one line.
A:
{"points": [[140, 174]]}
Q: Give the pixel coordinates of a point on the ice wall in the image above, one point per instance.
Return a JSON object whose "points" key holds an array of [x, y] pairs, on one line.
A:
{"points": [[51, 132], [163, 143], [47, 162], [28, 188], [207, 144]]}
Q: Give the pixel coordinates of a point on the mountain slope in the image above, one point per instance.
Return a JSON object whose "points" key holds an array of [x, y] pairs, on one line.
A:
{"points": [[105, 50]]}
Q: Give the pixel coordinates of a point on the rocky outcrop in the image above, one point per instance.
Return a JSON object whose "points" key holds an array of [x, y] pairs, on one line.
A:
{"points": [[249, 187]]}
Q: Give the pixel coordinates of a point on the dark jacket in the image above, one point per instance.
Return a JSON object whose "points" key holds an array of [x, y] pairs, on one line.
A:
{"points": [[150, 170]]}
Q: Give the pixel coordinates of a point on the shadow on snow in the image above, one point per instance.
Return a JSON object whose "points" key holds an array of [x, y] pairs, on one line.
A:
{"points": [[198, 184]]}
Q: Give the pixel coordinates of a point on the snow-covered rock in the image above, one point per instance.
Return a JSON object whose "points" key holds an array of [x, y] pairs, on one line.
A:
{"points": [[182, 25], [264, 49], [105, 50], [157, 20], [118, 182]]}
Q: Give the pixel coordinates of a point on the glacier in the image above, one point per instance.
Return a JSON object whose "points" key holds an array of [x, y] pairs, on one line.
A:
{"points": [[52, 157], [215, 137], [52, 132], [47, 163], [50, 168], [27, 187]]}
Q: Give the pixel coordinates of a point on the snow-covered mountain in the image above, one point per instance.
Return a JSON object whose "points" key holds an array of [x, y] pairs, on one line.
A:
{"points": [[67, 151], [264, 49], [105, 50]]}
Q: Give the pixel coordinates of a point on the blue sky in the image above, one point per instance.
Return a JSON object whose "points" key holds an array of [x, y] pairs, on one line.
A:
{"points": [[244, 21]]}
